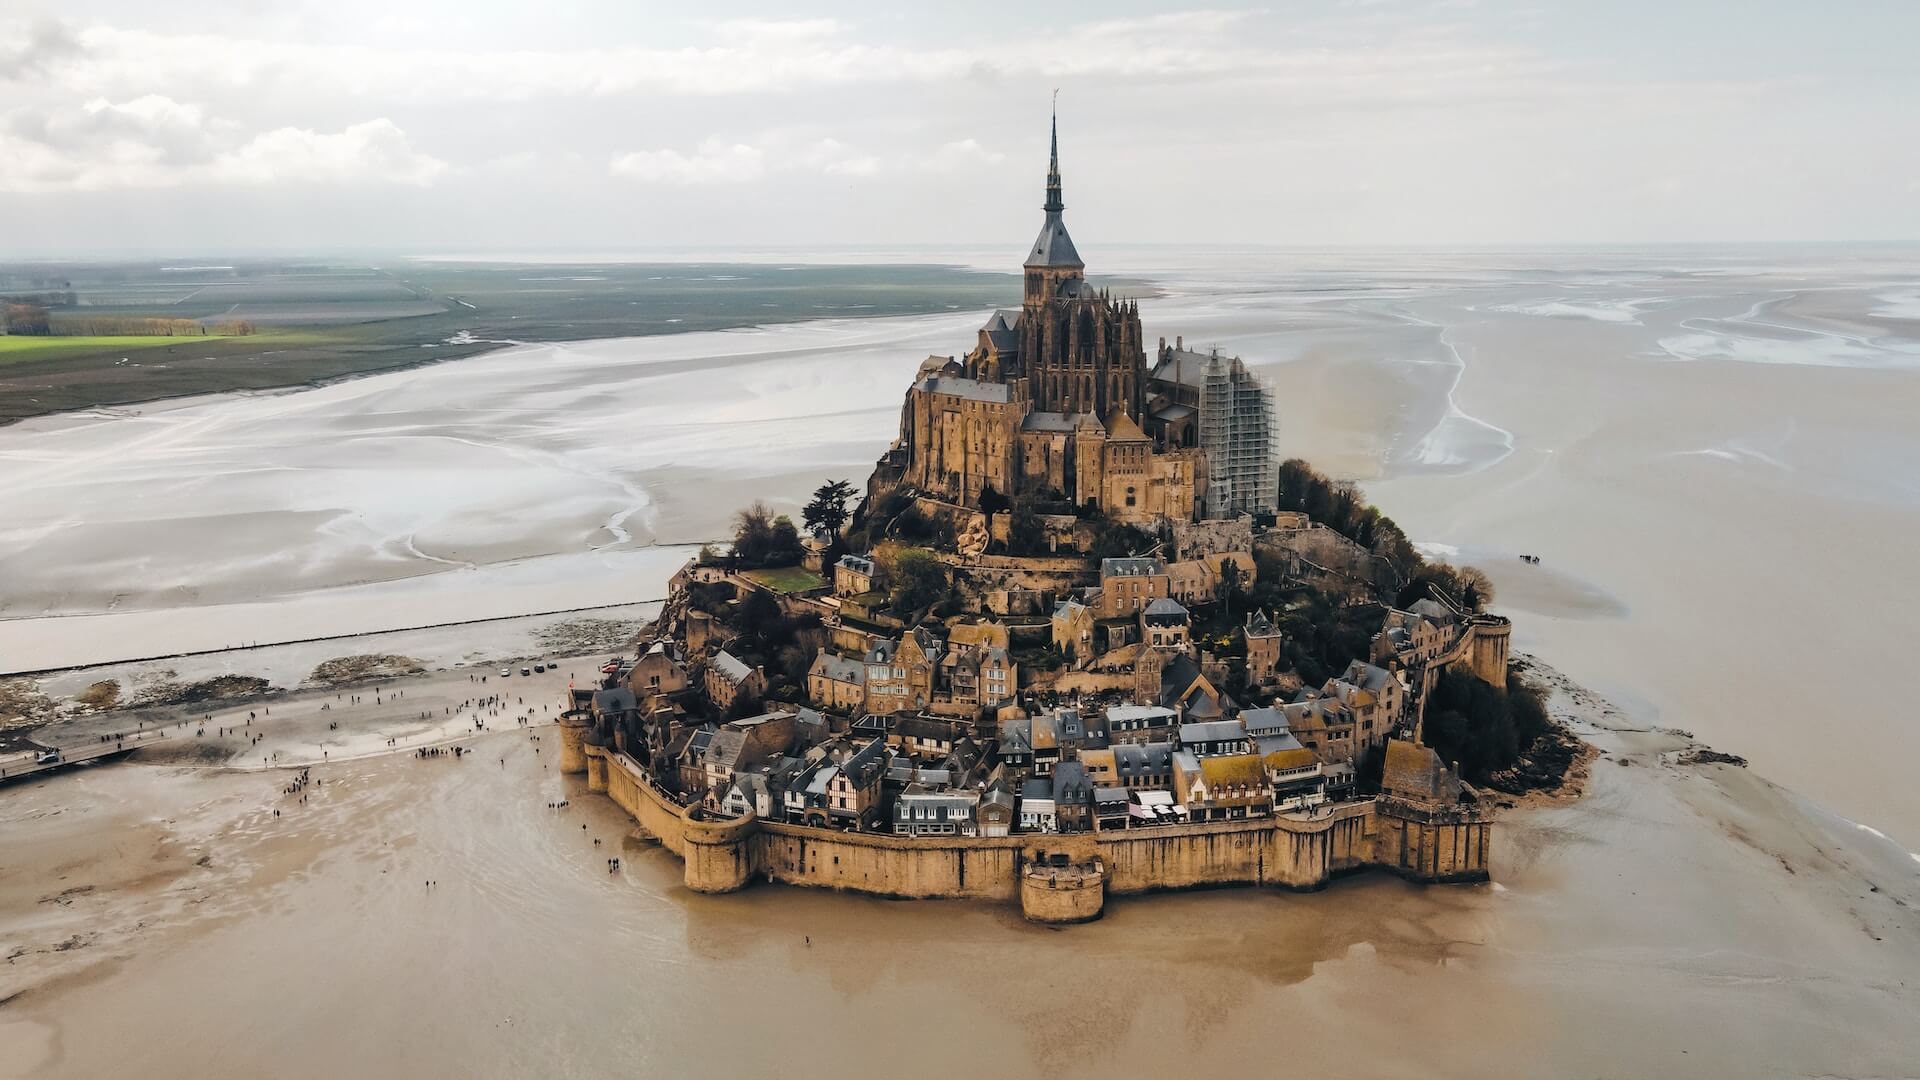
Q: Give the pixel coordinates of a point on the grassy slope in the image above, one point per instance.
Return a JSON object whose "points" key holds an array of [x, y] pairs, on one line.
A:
{"points": [[787, 579]]}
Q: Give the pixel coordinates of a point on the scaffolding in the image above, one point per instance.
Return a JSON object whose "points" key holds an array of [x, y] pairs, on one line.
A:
{"points": [[1238, 431]]}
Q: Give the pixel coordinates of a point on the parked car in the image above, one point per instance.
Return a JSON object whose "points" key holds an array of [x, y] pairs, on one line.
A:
{"points": [[526, 671], [538, 668], [505, 671]]}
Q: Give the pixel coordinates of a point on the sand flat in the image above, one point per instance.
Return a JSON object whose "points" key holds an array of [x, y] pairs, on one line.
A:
{"points": [[1724, 923]]}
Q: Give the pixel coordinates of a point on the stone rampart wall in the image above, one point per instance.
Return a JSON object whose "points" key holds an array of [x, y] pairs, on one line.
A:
{"points": [[1294, 853]]}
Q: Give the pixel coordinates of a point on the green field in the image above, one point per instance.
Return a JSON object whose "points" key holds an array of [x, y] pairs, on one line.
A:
{"points": [[20, 350], [787, 579], [320, 321]]}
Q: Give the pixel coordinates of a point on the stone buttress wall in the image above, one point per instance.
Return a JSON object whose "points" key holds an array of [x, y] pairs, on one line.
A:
{"points": [[723, 855], [983, 868]]}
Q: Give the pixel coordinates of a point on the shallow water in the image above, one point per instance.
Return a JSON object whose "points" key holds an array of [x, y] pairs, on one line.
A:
{"points": [[1713, 452]]}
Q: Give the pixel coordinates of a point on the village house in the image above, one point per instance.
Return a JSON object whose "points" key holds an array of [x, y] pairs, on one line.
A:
{"points": [[1294, 774], [1143, 767], [1199, 581], [743, 745], [1221, 787], [1323, 725], [924, 736], [1141, 724], [729, 679], [1214, 737], [1073, 632], [1263, 648], [1415, 637], [853, 575], [1375, 696], [919, 656], [1016, 745], [660, 669], [1110, 807], [852, 783], [1127, 586], [1164, 625], [924, 811], [976, 670], [995, 814], [835, 682], [1072, 797], [1036, 806], [887, 687]]}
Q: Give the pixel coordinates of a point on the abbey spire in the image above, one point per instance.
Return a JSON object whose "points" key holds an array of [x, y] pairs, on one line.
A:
{"points": [[1054, 248], [1054, 205]]}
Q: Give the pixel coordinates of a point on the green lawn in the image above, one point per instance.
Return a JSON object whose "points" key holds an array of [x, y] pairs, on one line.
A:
{"points": [[787, 579], [23, 349]]}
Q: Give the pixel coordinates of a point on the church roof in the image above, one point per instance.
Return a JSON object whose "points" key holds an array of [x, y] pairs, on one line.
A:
{"points": [[1053, 247], [1122, 428], [1003, 330], [970, 389]]}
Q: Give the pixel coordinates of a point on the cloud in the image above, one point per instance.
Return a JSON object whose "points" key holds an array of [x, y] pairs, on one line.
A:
{"points": [[375, 151], [155, 142], [42, 45], [758, 56], [962, 154], [715, 162]]}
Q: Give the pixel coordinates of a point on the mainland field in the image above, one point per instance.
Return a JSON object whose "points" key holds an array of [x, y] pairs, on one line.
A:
{"points": [[266, 325]]}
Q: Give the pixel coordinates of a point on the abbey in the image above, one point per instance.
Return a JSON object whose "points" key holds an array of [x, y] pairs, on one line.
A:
{"points": [[1056, 402]]}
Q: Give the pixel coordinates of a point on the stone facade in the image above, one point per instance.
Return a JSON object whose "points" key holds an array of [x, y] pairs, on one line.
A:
{"points": [[1049, 403]]}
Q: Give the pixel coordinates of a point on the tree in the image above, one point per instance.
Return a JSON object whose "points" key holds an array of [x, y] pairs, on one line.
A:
{"points": [[1229, 584], [27, 319], [752, 533], [919, 580], [828, 511]]}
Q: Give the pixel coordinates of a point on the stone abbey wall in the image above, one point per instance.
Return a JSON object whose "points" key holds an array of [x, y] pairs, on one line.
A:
{"points": [[725, 855]]}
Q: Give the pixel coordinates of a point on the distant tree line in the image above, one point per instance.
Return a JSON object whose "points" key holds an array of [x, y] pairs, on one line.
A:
{"points": [[32, 319]]}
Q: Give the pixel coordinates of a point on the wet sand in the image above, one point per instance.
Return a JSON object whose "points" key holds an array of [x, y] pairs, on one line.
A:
{"points": [[1679, 920], [1713, 452]]}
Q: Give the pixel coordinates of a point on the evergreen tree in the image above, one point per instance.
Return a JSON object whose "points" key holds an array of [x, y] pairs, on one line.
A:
{"points": [[827, 512]]}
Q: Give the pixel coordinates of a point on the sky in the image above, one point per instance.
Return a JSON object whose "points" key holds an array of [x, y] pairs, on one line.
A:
{"points": [[429, 127]]}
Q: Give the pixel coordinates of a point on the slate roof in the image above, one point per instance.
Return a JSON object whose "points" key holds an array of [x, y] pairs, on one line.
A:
{"points": [[1213, 731], [1183, 366], [859, 564], [1131, 567], [839, 669], [1139, 712], [1143, 760], [1259, 625], [1053, 247], [1165, 612], [1064, 423], [1368, 676], [1264, 721], [1070, 783], [731, 667], [968, 389], [1003, 330]]}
